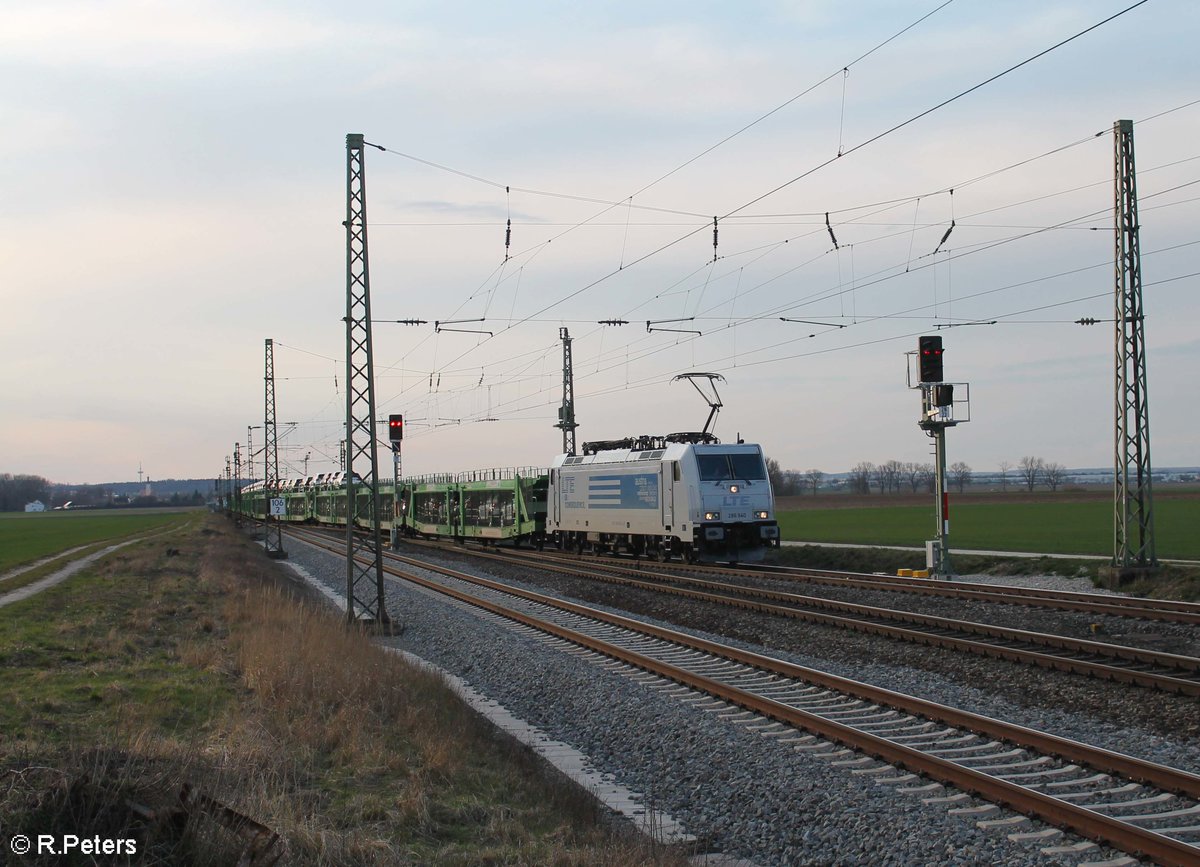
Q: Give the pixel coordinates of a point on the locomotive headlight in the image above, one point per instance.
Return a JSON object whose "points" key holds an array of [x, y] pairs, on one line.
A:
{"points": [[762, 516], [733, 489], [712, 516]]}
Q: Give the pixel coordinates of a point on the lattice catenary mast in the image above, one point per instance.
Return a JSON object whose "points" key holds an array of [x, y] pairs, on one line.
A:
{"points": [[273, 527], [1133, 494], [566, 412], [237, 484], [364, 552]]}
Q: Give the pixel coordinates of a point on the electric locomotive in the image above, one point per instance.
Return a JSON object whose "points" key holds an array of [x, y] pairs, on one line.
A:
{"points": [[685, 495]]}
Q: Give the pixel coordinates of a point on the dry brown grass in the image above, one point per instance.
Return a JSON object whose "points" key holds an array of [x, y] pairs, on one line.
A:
{"points": [[209, 669]]}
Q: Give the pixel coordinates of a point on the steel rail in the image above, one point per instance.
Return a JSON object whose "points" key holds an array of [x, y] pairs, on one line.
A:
{"points": [[1170, 779], [1091, 603], [1098, 603], [1177, 674], [1087, 822]]}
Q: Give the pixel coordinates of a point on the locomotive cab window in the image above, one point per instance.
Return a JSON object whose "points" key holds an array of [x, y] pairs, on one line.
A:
{"points": [[713, 468], [748, 467], [727, 467]]}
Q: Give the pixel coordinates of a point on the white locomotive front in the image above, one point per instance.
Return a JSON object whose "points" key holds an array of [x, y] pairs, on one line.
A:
{"points": [[654, 497]]}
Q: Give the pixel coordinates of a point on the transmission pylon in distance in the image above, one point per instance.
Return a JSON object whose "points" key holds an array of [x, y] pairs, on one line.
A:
{"points": [[1133, 494], [364, 551], [566, 412], [273, 526]]}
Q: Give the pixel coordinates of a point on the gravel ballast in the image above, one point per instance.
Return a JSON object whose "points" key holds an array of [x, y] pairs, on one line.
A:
{"points": [[741, 793], [1118, 716]]}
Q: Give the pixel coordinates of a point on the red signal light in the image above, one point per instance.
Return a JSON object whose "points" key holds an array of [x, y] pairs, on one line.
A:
{"points": [[930, 358]]}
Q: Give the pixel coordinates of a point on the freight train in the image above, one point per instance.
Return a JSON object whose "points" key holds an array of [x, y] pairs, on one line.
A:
{"points": [[682, 495]]}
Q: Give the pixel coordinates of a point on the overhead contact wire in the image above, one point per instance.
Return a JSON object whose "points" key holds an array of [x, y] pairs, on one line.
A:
{"points": [[940, 105]]}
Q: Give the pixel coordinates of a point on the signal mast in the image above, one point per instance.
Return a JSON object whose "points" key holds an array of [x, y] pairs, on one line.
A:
{"points": [[396, 439], [938, 404]]}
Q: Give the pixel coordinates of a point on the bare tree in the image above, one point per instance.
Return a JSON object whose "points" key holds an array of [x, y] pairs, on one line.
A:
{"points": [[1030, 470], [793, 482], [813, 477], [881, 477], [893, 474], [1005, 466], [887, 476], [912, 472], [1054, 475], [860, 477], [961, 474], [928, 476], [775, 475]]}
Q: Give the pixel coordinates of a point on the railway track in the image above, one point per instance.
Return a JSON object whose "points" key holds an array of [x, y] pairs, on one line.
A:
{"points": [[1091, 603], [1142, 808], [1134, 607], [1147, 668]]}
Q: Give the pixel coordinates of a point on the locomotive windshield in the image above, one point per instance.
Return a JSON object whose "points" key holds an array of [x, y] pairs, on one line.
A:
{"points": [[720, 468]]}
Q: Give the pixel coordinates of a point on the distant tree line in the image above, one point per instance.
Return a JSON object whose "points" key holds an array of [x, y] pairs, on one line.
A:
{"points": [[793, 483], [1033, 471], [891, 477], [894, 477], [16, 491]]}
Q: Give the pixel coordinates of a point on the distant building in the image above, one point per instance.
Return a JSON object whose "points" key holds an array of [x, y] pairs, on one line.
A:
{"points": [[35, 506]]}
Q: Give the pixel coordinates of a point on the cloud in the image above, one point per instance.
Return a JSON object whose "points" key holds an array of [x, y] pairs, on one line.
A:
{"points": [[180, 182], [136, 34], [489, 210]]}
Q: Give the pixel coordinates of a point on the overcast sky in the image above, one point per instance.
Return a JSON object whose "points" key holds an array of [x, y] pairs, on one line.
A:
{"points": [[174, 188]]}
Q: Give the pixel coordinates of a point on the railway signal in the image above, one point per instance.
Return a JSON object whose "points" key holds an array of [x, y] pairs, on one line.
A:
{"points": [[939, 404], [929, 358], [396, 438]]}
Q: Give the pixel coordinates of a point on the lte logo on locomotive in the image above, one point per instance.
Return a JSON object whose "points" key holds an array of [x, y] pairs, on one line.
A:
{"points": [[733, 502]]}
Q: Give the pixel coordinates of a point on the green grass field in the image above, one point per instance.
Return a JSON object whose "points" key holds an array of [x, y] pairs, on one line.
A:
{"points": [[1050, 528], [25, 537]]}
